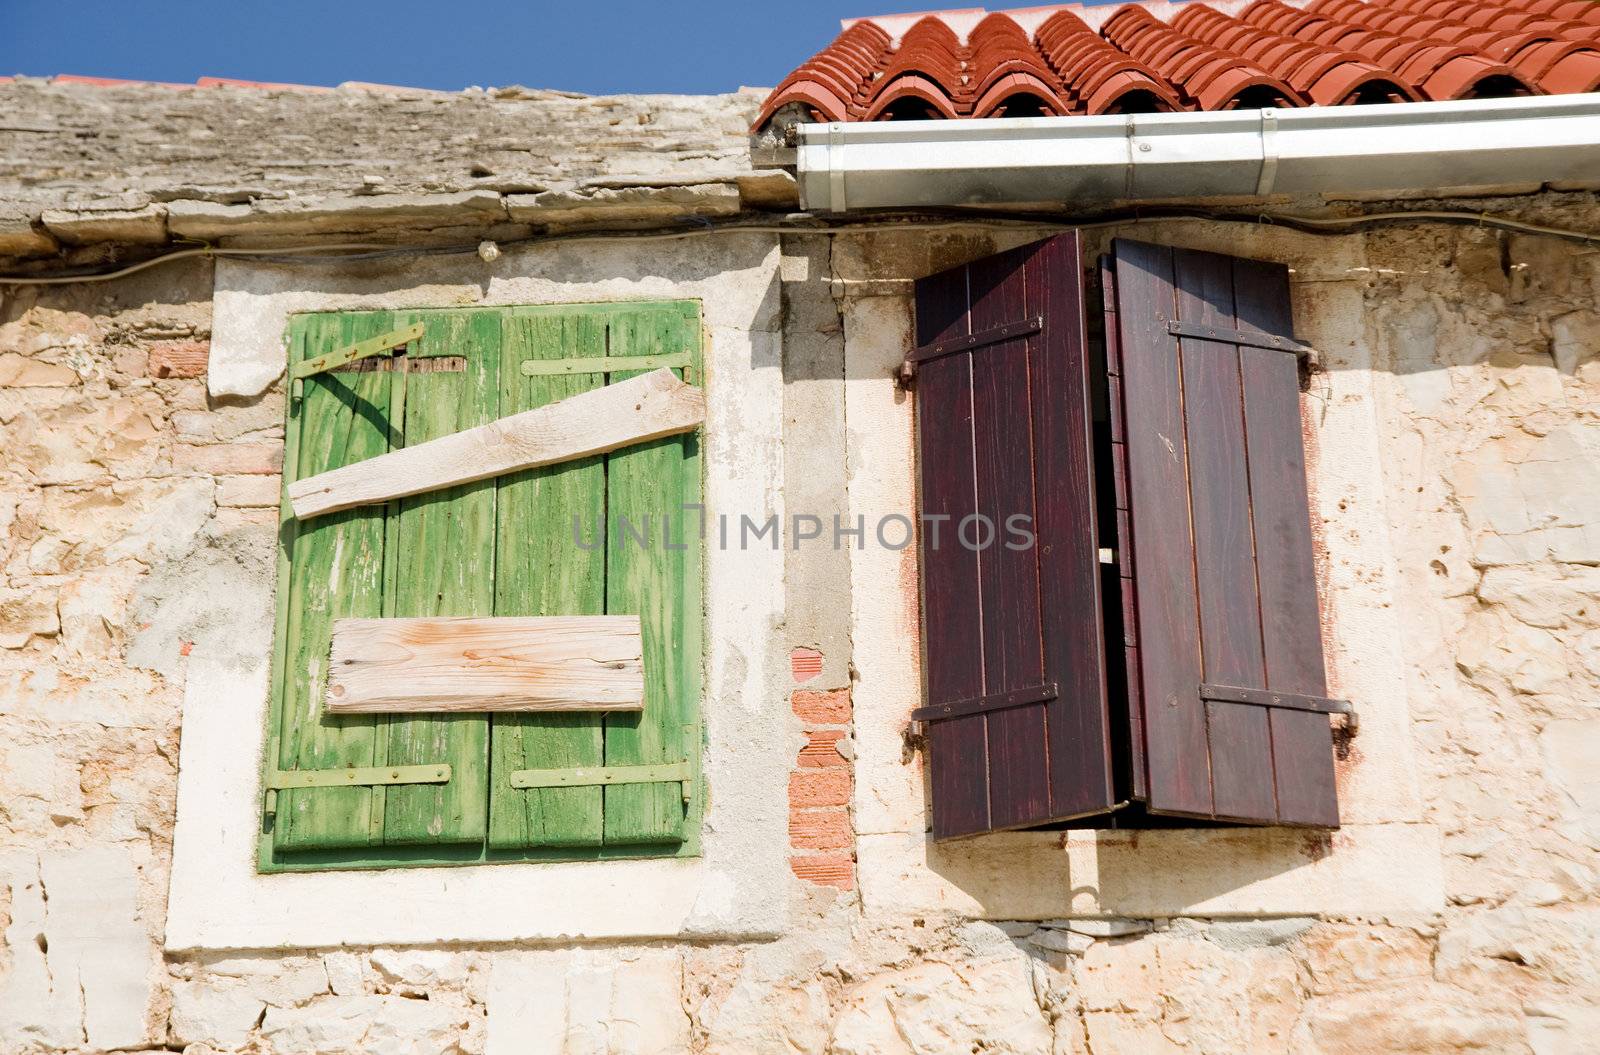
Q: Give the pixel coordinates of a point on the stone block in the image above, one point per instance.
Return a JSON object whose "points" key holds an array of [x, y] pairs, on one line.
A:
{"points": [[26, 613], [221, 1015], [21, 371], [147, 225], [230, 459], [249, 492], [985, 1005], [1571, 750], [622, 206]]}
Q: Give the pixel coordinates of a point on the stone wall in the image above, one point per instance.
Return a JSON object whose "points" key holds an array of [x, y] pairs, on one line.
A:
{"points": [[251, 166], [126, 495]]}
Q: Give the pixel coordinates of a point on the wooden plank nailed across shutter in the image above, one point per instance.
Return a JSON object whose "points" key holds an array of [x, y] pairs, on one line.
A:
{"points": [[648, 407], [1221, 537], [559, 663], [1004, 432]]}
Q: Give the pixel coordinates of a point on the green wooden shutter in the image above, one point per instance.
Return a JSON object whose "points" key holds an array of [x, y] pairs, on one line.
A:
{"points": [[428, 555], [638, 492], [497, 547]]}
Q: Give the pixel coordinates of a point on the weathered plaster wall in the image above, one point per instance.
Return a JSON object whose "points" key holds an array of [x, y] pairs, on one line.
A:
{"points": [[1456, 425]]}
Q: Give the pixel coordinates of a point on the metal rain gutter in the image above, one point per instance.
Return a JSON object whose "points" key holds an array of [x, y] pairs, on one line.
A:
{"points": [[1398, 148]]}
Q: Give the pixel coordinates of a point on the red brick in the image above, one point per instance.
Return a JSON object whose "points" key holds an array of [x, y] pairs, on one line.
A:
{"points": [[820, 829], [819, 787], [823, 708], [231, 459], [179, 358], [805, 664], [835, 870], [822, 749]]}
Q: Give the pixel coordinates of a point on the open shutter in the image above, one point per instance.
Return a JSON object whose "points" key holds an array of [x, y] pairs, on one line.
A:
{"points": [[1225, 638], [1016, 706]]}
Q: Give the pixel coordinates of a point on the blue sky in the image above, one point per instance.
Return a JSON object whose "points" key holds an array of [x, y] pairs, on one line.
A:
{"points": [[600, 46]]}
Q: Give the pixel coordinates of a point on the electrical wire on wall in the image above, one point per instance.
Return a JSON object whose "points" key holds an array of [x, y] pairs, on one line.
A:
{"points": [[811, 224]]}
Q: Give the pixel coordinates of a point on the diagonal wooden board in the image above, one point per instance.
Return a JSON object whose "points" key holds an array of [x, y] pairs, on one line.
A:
{"points": [[638, 410], [509, 663]]}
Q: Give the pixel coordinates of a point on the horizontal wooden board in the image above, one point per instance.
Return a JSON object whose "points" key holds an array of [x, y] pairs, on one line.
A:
{"points": [[532, 663], [635, 411]]}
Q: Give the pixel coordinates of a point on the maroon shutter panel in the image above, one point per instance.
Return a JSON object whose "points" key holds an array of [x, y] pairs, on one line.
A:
{"points": [[1016, 695], [1228, 640]]}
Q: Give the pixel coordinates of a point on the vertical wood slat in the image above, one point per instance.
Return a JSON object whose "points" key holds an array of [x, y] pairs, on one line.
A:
{"points": [[1008, 580], [1291, 624], [1177, 759], [951, 604], [1224, 554], [1067, 548], [444, 566], [540, 570], [649, 484], [336, 570]]}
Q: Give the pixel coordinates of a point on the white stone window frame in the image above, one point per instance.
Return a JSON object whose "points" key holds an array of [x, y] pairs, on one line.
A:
{"points": [[219, 901], [1385, 861]]}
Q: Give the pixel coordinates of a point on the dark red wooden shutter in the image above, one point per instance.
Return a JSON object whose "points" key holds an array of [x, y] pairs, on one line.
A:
{"points": [[1226, 646], [1014, 659]]}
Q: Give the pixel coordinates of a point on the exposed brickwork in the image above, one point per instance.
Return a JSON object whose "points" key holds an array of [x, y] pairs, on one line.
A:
{"points": [[805, 664], [821, 837], [822, 749], [179, 358], [823, 708], [835, 870]]}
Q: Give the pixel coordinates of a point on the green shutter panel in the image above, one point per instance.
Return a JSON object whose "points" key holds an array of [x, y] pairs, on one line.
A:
{"points": [[336, 569], [428, 555], [443, 564], [647, 487], [541, 571], [545, 571]]}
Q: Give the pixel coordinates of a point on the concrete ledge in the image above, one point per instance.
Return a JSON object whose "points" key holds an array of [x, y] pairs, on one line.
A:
{"points": [[1364, 870]]}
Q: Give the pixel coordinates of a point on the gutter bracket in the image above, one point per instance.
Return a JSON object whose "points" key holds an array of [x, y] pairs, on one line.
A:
{"points": [[1131, 131], [1269, 153], [836, 198]]}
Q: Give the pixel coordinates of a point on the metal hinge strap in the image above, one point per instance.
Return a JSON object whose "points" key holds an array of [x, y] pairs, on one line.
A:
{"points": [[999, 701], [1224, 335], [384, 342], [1284, 700], [591, 776], [606, 364], [284, 779], [993, 335]]}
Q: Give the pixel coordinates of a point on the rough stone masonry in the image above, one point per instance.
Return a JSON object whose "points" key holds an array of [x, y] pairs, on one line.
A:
{"points": [[132, 504]]}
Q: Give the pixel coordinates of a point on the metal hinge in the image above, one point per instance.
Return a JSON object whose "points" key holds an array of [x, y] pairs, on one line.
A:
{"points": [[606, 364], [284, 779], [1283, 700], [1224, 335], [384, 342], [592, 776]]}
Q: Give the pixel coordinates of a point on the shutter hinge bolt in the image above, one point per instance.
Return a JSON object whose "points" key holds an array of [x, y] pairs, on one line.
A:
{"points": [[905, 375]]}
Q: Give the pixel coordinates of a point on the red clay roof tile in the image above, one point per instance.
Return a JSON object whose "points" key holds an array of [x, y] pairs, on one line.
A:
{"points": [[1071, 59]]}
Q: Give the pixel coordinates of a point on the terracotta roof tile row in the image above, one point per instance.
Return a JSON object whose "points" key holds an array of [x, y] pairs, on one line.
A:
{"points": [[1058, 61]]}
